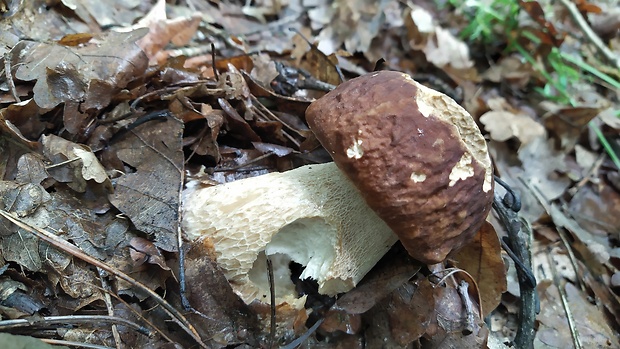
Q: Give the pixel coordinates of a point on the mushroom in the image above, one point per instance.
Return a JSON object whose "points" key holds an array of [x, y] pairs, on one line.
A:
{"points": [[417, 157], [407, 160]]}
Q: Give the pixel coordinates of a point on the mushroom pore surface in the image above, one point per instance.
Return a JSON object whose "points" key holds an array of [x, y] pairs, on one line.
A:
{"points": [[417, 157]]}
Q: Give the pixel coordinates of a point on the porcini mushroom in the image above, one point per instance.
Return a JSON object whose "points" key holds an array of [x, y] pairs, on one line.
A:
{"points": [[412, 162], [417, 157]]}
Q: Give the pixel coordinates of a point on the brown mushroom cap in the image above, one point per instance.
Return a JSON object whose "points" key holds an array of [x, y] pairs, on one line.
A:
{"points": [[417, 157]]}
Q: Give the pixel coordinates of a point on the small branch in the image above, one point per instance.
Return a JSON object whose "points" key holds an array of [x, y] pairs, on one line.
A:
{"points": [[9, 77], [297, 342], [508, 217], [73, 319], [468, 327], [72, 344], [272, 293], [567, 310], [108, 302]]}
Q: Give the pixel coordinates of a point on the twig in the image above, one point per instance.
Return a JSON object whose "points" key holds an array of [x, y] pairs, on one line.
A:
{"points": [[297, 342], [256, 103], [240, 166], [62, 163], [571, 256], [71, 249], [72, 319], [142, 318], [524, 338], [451, 271], [569, 314], [108, 303], [182, 280], [9, 77], [216, 74], [468, 327], [72, 344], [590, 34], [272, 293]]}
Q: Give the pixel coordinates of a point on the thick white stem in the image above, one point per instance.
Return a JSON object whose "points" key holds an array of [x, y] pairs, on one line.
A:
{"points": [[312, 215]]}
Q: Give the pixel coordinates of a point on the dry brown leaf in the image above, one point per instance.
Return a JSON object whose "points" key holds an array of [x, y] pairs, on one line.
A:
{"points": [[411, 311], [352, 23], [610, 118], [104, 13], [512, 70], [596, 208], [318, 64], [567, 124], [598, 246], [162, 31], [75, 39], [226, 320], [66, 74], [503, 125], [150, 195], [446, 49], [82, 164], [389, 274], [144, 251], [13, 145], [26, 116], [80, 283], [542, 165], [554, 331], [449, 333], [482, 259], [27, 201], [30, 169]]}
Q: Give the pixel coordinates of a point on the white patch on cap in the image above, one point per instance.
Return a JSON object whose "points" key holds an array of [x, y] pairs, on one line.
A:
{"points": [[418, 177], [462, 170], [487, 182], [424, 108], [355, 151]]}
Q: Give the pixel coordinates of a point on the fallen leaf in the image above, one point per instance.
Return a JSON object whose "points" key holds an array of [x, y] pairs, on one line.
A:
{"points": [[144, 251], [149, 195], [503, 125], [389, 274], [411, 311], [65, 73], [82, 165], [482, 259], [223, 318], [554, 331]]}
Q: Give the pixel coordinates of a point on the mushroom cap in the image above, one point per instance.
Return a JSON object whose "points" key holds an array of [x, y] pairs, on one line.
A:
{"points": [[417, 157]]}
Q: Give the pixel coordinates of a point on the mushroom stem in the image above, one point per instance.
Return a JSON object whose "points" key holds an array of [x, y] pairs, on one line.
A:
{"points": [[312, 215]]}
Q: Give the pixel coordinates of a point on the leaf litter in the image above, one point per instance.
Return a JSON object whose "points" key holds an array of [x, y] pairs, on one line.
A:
{"points": [[100, 130]]}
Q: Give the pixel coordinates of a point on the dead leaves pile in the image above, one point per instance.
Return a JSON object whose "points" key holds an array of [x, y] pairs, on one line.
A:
{"points": [[98, 132]]}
